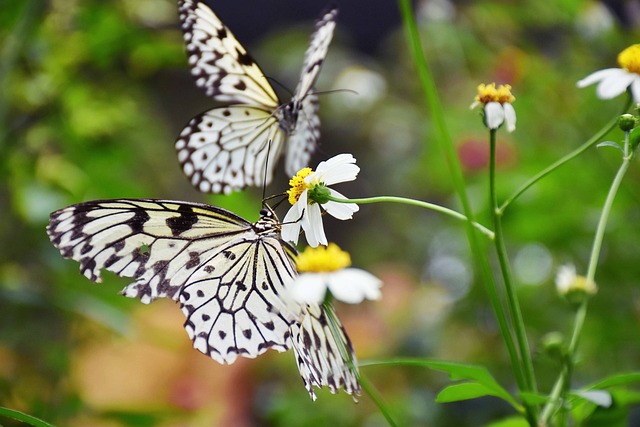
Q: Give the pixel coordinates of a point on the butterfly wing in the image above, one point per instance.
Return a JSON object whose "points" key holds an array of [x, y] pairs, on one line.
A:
{"points": [[316, 52], [323, 351], [229, 148], [219, 63], [303, 142], [303, 107], [227, 277]]}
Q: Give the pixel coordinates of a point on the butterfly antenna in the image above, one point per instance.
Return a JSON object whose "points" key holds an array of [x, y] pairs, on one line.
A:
{"points": [[266, 169], [283, 87], [325, 92]]}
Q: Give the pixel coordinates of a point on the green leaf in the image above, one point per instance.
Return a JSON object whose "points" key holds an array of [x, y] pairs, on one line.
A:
{"points": [[616, 380], [510, 422], [534, 399], [464, 391], [21, 416], [457, 371]]}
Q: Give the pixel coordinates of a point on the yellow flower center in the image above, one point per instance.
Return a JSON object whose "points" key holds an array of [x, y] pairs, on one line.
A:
{"points": [[321, 259], [629, 59], [298, 185], [489, 93]]}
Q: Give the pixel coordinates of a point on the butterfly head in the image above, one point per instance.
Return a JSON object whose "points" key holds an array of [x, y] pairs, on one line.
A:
{"points": [[268, 222]]}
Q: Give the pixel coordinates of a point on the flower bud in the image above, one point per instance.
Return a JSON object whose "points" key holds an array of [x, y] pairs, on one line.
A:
{"points": [[626, 122], [553, 345]]}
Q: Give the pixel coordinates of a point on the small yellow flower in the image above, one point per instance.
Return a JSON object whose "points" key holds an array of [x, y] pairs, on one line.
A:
{"points": [[327, 270], [573, 287], [298, 185], [316, 260], [489, 93], [496, 103], [629, 59], [611, 82], [310, 196]]}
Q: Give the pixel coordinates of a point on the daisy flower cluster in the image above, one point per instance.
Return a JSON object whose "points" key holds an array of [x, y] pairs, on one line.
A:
{"points": [[323, 266]]}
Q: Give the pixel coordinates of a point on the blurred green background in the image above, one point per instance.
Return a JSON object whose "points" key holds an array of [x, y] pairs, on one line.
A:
{"points": [[92, 96]]}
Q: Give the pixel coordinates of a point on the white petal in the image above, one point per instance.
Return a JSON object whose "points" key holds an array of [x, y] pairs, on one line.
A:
{"points": [[353, 285], [312, 225], [340, 168], [565, 276], [493, 114], [309, 288], [614, 84], [292, 222], [597, 76], [339, 210], [635, 89], [509, 117]]}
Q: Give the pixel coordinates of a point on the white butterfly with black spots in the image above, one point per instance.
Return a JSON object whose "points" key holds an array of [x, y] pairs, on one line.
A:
{"points": [[235, 146], [229, 276]]}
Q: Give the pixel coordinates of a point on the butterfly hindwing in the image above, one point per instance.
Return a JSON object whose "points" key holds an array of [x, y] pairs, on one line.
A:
{"points": [[323, 351], [212, 147], [303, 142], [226, 148], [227, 274]]}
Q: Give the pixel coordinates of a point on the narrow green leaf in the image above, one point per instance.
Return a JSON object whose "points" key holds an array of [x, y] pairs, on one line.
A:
{"points": [[534, 399], [463, 391], [510, 422], [21, 416], [457, 371], [616, 380]]}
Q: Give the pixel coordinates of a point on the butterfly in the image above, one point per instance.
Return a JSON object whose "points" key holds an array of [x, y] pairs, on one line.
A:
{"points": [[229, 276], [235, 146]]}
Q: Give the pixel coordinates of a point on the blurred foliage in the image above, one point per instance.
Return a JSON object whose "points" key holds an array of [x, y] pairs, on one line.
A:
{"points": [[94, 93]]}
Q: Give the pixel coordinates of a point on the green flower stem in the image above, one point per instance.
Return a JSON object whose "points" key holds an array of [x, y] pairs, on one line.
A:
{"points": [[513, 305], [419, 203], [590, 143], [377, 399], [564, 379], [445, 142]]}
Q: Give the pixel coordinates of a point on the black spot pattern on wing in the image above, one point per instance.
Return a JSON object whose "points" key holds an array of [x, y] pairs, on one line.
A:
{"points": [[184, 222]]}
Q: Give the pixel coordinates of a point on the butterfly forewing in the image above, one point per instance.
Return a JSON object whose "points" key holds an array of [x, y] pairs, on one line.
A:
{"points": [[219, 63], [228, 275], [216, 148], [316, 52], [323, 351]]}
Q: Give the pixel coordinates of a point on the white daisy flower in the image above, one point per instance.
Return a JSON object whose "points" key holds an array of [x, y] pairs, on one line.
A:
{"points": [[572, 286], [309, 193], [614, 81], [497, 106], [323, 270]]}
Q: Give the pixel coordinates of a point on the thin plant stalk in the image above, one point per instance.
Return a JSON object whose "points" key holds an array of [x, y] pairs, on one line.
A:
{"points": [[446, 144], [575, 153], [564, 379], [419, 203], [513, 305]]}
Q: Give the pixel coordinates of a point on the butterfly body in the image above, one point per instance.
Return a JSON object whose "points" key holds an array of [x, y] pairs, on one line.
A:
{"points": [[229, 148]]}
